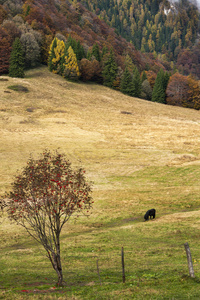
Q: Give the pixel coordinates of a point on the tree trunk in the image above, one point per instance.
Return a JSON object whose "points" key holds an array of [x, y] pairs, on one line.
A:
{"points": [[58, 268]]}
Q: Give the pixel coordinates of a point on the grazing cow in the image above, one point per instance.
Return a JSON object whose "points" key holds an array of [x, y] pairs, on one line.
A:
{"points": [[150, 213]]}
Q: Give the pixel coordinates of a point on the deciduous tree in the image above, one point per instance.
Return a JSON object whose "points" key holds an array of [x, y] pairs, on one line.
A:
{"points": [[44, 196], [146, 90], [58, 60], [31, 49], [52, 55], [5, 49], [71, 69], [177, 90]]}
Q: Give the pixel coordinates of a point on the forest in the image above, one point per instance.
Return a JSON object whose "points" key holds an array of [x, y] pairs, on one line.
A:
{"points": [[146, 49]]}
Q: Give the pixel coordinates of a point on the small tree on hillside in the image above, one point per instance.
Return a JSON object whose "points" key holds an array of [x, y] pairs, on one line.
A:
{"points": [[52, 55], [137, 83], [109, 70], [71, 69], [16, 68], [96, 52], [159, 89], [58, 60], [126, 85], [44, 197]]}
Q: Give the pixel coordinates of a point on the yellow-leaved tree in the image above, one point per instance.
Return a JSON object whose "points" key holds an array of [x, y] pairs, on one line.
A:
{"points": [[56, 56], [71, 69], [58, 59]]}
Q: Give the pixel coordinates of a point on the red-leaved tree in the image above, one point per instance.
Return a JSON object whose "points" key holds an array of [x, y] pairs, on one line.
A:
{"points": [[44, 197]]}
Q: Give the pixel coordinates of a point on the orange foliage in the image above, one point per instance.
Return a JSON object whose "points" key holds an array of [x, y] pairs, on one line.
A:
{"points": [[151, 77], [177, 90], [3, 14], [5, 49], [183, 91], [90, 70]]}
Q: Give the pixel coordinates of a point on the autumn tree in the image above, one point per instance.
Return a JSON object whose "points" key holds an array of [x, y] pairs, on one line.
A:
{"points": [[12, 30], [5, 49], [71, 69], [59, 57], [52, 55], [146, 90], [44, 196], [193, 100], [90, 70], [177, 90], [31, 49], [86, 69], [16, 68], [183, 91]]}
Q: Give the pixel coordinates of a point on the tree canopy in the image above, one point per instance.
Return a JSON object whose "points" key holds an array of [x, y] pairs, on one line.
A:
{"points": [[44, 196]]}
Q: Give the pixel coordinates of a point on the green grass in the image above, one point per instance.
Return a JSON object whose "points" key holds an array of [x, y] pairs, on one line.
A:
{"points": [[146, 159], [155, 262], [18, 88]]}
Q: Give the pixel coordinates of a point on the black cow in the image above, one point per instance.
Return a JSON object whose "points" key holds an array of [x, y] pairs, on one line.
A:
{"points": [[150, 213]]}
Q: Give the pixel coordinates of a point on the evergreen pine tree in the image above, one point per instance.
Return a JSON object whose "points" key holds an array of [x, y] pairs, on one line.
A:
{"points": [[137, 83], [144, 76], [80, 53], [109, 70], [89, 55], [166, 80], [158, 94], [126, 85], [71, 65], [16, 68], [104, 51], [96, 52]]}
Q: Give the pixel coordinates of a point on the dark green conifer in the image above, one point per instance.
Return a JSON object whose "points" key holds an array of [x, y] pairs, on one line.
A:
{"points": [[79, 51], [109, 70], [126, 85], [104, 51], [144, 76], [16, 68], [137, 83], [96, 52], [158, 94]]}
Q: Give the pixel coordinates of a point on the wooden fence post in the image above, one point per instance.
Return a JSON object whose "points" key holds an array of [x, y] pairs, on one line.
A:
{"points": [[123, 266], [189, 259], [98, 271]]}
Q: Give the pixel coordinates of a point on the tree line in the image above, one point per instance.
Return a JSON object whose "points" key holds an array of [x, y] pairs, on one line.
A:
{"points": [[69, 60], [26, 29]]}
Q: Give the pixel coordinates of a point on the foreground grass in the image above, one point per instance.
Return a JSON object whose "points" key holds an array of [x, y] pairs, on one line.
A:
{"points": [[155, 262], [146, 159]]}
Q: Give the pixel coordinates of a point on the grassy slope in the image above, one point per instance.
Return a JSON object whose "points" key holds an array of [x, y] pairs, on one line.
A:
{"points": [[148, 158]]}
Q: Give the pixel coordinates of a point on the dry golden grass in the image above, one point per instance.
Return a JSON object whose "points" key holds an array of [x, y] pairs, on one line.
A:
{"points": [[139, 155], [110, 134]]}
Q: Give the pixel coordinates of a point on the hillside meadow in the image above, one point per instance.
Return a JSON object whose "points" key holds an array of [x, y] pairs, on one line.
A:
{"points": [[138, 155]]}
